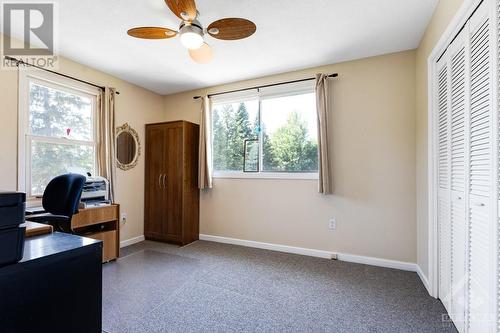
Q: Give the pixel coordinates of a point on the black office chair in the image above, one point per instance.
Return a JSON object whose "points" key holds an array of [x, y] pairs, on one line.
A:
{"points": [[60, 201]]}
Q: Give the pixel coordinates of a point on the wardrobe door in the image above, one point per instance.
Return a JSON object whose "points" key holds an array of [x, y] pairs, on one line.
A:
{"points": [[174, 159], [444, 224], [459, 109], [154, 198], [481, 244]]}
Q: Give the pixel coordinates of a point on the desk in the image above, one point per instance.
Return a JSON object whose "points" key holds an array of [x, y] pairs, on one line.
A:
{"points": [[102, 223], [36, 229], [56, 287]]}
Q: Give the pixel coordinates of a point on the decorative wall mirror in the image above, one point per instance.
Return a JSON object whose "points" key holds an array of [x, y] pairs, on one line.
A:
{"points": [[128, 147]]}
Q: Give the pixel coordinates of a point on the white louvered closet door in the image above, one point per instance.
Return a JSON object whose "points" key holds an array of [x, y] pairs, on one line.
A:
{"points": [[468, 165], [481, 272], [444, 175], [459, 166]]}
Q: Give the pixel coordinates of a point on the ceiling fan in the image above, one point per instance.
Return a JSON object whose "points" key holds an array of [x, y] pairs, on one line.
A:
{"points": [[192, 33]]}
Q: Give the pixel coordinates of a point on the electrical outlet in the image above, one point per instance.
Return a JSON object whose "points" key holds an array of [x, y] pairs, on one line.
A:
{"points": [[124, 218], [332, 224]]}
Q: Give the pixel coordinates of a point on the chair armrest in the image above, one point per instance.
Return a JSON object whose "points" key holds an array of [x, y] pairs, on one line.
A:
{"points": [[46, 217]]}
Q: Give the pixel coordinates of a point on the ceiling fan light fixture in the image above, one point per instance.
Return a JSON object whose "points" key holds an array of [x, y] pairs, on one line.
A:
{"points": [[191, 36], [203, 55], [192, 33]]}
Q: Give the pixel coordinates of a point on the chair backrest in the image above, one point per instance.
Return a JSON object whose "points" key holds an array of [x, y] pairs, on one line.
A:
{"points": [[62, 194]]}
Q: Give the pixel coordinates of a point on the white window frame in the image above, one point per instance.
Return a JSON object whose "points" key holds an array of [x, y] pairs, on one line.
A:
{"points": [[284, 90], [51, 80]]}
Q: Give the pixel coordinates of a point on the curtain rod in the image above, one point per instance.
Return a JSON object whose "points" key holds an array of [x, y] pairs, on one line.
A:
{"points": [[265, 86], [54, 72]]}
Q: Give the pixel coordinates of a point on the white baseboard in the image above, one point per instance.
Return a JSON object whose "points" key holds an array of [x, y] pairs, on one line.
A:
{"points": [[387, 263], [131, 241], [407, 266], [424, 279], [269, 246], [372, 261]]}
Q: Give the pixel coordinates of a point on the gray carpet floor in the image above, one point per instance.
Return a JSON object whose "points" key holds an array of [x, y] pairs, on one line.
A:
{"points": [[210, 287]]}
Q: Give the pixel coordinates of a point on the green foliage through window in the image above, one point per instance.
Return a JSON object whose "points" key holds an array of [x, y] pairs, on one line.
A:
{"points": [[286, 126], [49, 160], [60, 134]]}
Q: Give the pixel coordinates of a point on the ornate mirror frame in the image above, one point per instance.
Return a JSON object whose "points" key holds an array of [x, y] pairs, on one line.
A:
{"points": [[125, 128]]}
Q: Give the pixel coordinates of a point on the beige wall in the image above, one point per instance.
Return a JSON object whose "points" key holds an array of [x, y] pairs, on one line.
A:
{"points": [[380, 160], [134, 105], [443, 15], [373, 168]]}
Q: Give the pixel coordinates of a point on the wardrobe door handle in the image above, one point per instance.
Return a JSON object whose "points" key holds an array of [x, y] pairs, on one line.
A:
{"points": [[164, 179], [159, 180]]}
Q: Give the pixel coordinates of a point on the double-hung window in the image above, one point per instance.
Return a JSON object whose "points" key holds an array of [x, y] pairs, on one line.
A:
{"points": [[266, 133], [57, 129]]}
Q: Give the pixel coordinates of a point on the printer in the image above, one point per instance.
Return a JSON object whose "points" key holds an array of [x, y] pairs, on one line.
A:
{"points": [[95, 192]]}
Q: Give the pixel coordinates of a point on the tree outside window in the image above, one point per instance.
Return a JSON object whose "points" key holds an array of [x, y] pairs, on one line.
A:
{"points": [[60, 134], [286, 126]]}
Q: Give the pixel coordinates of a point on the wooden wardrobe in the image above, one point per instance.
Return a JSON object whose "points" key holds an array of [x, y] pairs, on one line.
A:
{"points": [[171, 206]]}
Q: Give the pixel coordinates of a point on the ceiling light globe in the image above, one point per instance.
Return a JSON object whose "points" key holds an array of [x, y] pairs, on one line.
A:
{"points": [[191, 37], [203, 55]]}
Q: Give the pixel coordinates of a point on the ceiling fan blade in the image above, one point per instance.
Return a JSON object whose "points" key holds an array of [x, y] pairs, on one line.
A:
{"points": [[231, 28], [183, 9], [202, 55], [152, 33]]}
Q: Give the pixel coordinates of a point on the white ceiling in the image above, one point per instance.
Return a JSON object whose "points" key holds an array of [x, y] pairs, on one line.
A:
{"points": [[291, 35]]}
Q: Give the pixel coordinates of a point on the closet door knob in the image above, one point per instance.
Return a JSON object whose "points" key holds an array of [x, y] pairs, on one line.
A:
{"points": [[164, 179]]}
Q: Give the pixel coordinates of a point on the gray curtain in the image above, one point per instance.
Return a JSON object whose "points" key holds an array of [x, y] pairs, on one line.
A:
{"points": [[106, 138], [205, 146], [323, 103]]}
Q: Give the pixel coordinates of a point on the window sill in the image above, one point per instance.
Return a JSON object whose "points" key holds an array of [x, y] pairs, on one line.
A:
{"points": [[266, 175]]}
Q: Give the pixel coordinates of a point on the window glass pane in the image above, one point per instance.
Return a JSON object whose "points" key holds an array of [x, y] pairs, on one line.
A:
{"points": [[232, 124], [56, 113], [49, 160], [251, 156], [289, 126]]}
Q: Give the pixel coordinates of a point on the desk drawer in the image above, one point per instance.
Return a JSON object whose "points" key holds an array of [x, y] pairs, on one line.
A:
{"points": [[109, 248], [90, 216]]}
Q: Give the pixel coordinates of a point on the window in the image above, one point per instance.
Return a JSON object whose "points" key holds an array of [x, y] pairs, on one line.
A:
{"points": [[57, 130], [268, 134], [233, 123]]}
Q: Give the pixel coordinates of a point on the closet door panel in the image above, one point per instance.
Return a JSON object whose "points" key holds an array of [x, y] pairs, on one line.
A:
{"points": [[458, 180], [444, 223], [480, 284], [480, 295]]}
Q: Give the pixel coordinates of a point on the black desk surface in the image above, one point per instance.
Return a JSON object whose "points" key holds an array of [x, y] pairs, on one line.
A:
{"points": [[57, 242], [56, 287]]}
